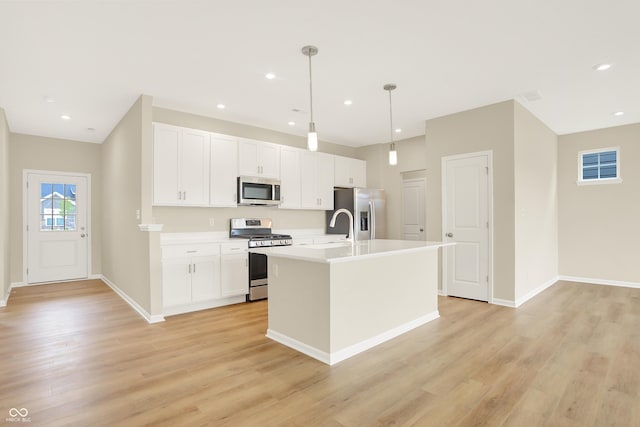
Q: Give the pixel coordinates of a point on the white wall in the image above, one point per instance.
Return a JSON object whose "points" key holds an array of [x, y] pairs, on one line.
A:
{"points": [[536, 203], [50, 154], [5, 276], [411, 158], [125, 249], [599, 225], [481, 129]]}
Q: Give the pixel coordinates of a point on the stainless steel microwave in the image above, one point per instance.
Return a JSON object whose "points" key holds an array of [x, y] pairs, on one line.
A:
{"points": [[258, 191]]}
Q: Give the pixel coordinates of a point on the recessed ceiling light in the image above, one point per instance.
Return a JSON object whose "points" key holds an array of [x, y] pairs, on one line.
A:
{"points": [[348, 102], [291, 123], [601, 67], [91, 129], [221, 106], [49, 99], [619, 113], [398, 130], [270, 76], [65, 117]]}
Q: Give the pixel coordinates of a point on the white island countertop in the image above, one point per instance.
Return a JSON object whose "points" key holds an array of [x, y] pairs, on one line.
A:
{"points": [[345, 252]]}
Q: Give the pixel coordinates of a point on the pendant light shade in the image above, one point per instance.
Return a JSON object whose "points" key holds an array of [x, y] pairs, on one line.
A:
{"points": [[312, 136], [393, 154]]}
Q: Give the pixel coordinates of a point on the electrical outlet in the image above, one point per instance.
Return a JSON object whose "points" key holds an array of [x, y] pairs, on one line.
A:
{"points": [[212, 222], [137, 213]]}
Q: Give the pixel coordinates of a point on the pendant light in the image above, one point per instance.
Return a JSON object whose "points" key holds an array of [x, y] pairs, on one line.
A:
{"points": [[312, 136], [393, 154]]}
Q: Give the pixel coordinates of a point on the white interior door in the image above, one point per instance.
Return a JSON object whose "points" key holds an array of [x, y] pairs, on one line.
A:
{"points": [[466, 222], [57, 229], [413, 191]]}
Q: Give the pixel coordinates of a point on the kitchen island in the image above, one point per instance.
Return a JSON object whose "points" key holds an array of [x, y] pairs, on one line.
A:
{"points": [[332, 301]]}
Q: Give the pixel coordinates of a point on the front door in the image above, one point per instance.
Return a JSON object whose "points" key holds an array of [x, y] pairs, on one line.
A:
{"points": [[57, 227], [413, 208], [466, 222]]}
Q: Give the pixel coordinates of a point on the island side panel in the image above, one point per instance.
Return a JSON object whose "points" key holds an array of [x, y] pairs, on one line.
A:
{"points": [[299, 302], [371, 297]]}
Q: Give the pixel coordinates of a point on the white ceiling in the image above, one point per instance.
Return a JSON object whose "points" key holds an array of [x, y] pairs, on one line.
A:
{"points": [[96, 57]]}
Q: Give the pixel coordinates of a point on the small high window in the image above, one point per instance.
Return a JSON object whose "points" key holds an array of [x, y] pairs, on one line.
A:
{"points": [[599, 166]]}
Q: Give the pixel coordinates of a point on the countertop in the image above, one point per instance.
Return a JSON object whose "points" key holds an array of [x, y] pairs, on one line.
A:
{"points": [[218, 237], [345, 252]]}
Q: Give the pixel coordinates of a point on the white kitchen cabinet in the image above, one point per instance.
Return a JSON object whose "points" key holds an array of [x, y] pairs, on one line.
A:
{"points": [[257, 158], [180, 166], [290, 178], [234, 269], [176, 282], [223, 185], [190, 274], [350, 172], [316, 180]]}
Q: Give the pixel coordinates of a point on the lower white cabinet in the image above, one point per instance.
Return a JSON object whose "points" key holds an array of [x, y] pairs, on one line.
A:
{"points": [[234, 269], [203, 275], [190, 274]]}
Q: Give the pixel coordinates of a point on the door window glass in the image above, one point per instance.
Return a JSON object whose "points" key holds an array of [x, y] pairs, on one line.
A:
{"points": [[57, 207]]}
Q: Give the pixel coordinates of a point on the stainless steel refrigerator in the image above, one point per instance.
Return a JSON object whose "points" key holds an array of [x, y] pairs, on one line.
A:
{"points": [[368, 207]]}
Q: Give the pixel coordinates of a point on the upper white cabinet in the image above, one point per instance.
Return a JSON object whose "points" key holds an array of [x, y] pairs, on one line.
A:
{"points": [[257, 158], [316, 180], [350, 172], [224, 171], [290, 178], [180, 166]]}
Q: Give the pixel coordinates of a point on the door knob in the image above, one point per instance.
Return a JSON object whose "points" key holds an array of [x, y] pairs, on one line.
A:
{"points": [[449, 234], [421, 230], [82, 235]]}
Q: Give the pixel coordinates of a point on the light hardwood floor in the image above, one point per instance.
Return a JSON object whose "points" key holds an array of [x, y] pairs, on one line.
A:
{"points": [[76, 354]]}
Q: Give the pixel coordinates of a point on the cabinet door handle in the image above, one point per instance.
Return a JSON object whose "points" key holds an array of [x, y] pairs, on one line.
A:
{"points": [[189, 268], [194, 268], [258, 169], [184, 195], [179, 195]]}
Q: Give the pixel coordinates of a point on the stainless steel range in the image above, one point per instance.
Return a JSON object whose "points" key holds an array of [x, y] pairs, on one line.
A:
{"points": [[258, 233]]}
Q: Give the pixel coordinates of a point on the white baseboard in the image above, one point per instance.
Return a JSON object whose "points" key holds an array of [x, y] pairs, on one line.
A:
{"points": [[536, 291], [441, 293], [310, 351], [592, 281], [4, 299], [503, 302], [23, 284], [203, 305], [519, 301], [352, 350], [141, 311]]}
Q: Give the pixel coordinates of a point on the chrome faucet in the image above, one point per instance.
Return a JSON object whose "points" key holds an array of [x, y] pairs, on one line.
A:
{"points": [[351, 234]]}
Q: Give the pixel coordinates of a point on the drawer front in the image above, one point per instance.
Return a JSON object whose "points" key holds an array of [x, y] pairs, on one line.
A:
{"points": [[181, 251], [233, 248]]}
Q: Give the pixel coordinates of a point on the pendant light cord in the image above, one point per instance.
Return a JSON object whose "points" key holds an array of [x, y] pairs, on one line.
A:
{"points": [[310, 89], [390, 119]]}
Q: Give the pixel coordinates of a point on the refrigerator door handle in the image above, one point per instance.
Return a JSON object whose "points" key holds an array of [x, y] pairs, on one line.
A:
{"points": [[372, 220]]}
